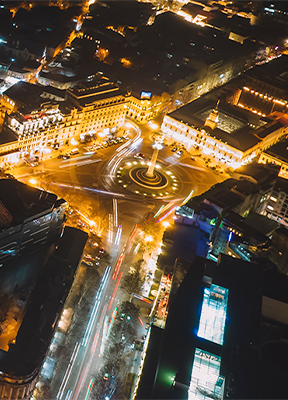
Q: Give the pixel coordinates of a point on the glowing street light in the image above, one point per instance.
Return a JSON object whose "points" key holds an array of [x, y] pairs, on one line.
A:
{"points": [[148, 238], [32, 181]]}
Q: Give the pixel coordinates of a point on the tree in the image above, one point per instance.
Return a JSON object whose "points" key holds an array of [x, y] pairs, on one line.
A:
{"points": [[133, 281], [154, 229]]}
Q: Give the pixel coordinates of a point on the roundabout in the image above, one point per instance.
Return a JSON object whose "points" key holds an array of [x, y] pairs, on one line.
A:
{"points": [[147, 177], [140, 177], [132, 176]]}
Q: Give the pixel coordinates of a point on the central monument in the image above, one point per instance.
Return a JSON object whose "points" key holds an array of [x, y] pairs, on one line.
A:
{"points": [[156, 146]]}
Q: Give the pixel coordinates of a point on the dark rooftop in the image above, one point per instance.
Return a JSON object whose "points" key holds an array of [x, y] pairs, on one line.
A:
{"points": [[7, 136], [279, 150], [23, 201]]}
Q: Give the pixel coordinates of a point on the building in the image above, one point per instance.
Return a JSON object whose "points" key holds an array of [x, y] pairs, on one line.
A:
{"points": [[34, 280], [277, 155], [246, 238], [279, 249], [29, 217], [42, 117], [220, 328], [101, 103], [35, 317], [226, 134], [241, 193], [274, 202]]}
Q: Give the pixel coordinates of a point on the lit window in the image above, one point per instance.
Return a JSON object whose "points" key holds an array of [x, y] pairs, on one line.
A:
{"points": [[270, 208], [273, 198]]}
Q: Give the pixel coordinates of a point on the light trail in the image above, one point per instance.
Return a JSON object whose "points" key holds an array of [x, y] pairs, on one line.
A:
{"points": [[80, 163], [68, 395], [158, 212], [118, 235], [104, 336], [118, 265], [124, 145], [166, 215], [192, 166], [65, 185], [170, 204], [188, 197], [95, 307], [110, 231], [86, 369], [68, 371], [136, 248], [115, 290], [104, 192], [113, 316], [95, 342], [133, 233], [124, 152], [91, 383], [115, 209], [141, 322]]}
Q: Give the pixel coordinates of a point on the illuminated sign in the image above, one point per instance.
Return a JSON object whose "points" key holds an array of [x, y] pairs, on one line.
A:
{"points": [[213, 314], [146, 95], [206, 381]]}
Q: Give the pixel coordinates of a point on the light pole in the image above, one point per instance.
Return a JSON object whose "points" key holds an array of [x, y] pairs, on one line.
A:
{"points": [[156, 146]]}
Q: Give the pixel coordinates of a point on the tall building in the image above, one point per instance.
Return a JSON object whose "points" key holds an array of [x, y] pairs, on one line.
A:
{"points": [[29, 218], [35, 280], [223, 335]]}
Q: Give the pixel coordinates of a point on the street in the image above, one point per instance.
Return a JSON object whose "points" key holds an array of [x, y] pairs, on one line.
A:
{"points": [[94, 175]]}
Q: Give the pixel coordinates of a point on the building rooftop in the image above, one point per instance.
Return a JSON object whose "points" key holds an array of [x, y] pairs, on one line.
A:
{"points": [[27, 94], [23, 201], [7, 135], [234, 126], [279, 150], [54, 279], [274, 73], [86, 93]]}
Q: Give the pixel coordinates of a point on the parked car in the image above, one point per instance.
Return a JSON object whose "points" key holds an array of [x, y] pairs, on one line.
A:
{"points": [[88, 263]]}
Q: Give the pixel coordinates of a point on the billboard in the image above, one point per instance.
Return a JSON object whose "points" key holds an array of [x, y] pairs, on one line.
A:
{"points": [[146, 95]]}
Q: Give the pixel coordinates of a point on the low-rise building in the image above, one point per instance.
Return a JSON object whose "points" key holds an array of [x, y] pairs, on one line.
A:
{"points": [[102, 104], [46, 116], [223, 132]]}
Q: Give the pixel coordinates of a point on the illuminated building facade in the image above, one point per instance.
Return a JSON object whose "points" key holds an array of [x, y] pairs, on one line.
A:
{"points": [[102, 105], [53, 117], [140, 109], [232, 138]]}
